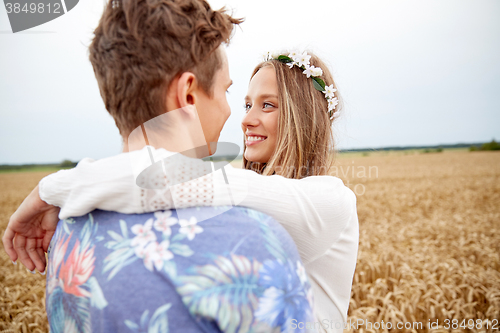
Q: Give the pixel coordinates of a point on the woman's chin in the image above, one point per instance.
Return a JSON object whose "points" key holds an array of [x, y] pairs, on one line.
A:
{"points": [[253, 156]]}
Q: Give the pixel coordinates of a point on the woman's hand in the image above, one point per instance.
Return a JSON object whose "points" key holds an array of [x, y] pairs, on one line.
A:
{"points": [[30, 230]]}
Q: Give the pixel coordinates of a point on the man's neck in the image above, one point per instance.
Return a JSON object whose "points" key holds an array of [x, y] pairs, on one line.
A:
{"points": [[173, 131]]}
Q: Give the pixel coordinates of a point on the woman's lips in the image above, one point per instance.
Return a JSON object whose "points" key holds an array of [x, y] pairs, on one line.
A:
{"points": [[254, 139]]}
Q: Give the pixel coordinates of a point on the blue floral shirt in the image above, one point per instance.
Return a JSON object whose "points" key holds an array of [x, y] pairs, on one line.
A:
{"points": [[159, 272]]}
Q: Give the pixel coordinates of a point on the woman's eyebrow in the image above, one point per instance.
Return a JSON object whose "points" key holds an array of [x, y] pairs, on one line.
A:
{"points": [[263, 96]]}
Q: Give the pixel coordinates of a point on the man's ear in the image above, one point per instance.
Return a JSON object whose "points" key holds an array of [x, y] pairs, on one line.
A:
{"points": [[186, 90]]}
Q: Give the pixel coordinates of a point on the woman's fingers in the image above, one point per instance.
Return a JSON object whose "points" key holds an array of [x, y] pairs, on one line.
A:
{"points": [[50, 219], [20, 247], [46, 240], [8, 244], [41, 253], [31, 248]]}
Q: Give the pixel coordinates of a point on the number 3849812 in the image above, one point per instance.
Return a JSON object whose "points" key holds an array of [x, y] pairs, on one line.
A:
{"points": [[54, 8], [471, 324]]}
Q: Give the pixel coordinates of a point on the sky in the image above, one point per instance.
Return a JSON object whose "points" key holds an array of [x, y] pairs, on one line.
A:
{"points": [[420, 72]]}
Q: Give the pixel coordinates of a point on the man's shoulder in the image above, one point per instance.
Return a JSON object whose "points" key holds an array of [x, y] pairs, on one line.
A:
{"points": [[220, 227]]}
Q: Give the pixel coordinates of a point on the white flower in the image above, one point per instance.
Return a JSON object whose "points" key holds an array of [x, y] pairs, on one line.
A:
{"points": [[164, 221], [301, 272], [293, 55], [155, 254], [332, 103], [290, 64], [335, 114], [329, 91], [303, 59], [140, 251], [309, 71], [316, 71], [275, 54], [190, 228], [144, 233], [265, 56]]}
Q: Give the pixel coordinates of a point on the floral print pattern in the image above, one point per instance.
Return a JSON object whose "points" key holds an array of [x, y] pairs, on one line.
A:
{"points": [[238, 272], [71, 288]]}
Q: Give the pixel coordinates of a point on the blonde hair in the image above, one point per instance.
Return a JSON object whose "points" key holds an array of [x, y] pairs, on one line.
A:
{"points": [[305, 138]]}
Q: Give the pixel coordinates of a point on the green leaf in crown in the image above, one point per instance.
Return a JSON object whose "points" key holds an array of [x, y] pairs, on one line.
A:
{"points": [[318, 83], [284, 59]]}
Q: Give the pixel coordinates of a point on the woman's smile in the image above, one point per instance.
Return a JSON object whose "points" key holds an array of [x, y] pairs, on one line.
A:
{"points": [[253, 139]]}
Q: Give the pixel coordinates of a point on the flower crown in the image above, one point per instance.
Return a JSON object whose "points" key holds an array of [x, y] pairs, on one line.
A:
{"points": [[302, 61]]}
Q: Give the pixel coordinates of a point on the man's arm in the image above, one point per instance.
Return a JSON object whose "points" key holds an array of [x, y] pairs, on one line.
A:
{"points": [[30, 230]]}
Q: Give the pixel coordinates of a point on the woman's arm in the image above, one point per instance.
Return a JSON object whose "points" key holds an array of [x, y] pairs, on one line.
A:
{"points": [[313, 210]]}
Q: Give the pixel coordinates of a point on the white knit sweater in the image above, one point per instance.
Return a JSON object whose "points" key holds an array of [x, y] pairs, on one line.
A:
{"points": [[319, 212]]}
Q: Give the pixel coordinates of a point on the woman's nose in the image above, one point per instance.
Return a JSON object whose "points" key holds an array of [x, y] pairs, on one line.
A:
{"points": [[250, 119]]}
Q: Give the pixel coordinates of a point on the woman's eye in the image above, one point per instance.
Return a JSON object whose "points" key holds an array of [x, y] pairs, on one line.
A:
{"points": [[247, 107], [268, 105]]}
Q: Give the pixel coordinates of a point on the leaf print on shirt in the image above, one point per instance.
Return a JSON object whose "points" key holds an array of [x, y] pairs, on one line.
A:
{"points": [[273, 244], [123, 254], [285, 297], [157, 324], [226, 290], [71, 288]]}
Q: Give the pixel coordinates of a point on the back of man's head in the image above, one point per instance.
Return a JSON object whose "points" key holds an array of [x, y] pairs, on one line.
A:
{"points": [[141, 45]]}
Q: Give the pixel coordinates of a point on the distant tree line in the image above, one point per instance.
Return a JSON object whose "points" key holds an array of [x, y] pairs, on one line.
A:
{"points": [[66, 164], [436, 148], [493, 145]]}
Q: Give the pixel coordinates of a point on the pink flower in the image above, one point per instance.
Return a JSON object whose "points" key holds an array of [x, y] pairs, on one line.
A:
{"points": [[77, 270], [59, 253], [144, 233], [155, 254], [190, 228], [140, 251], [164, 221]]}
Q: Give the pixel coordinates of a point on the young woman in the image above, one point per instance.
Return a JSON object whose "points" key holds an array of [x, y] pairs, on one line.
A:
{"points": [[290, 107]]}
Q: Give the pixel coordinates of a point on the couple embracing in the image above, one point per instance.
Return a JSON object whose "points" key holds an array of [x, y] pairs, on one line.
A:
{"points": [[182, 244]]}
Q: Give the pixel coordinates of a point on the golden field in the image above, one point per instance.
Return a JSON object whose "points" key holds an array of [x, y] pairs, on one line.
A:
{"points": [[429, 243]]}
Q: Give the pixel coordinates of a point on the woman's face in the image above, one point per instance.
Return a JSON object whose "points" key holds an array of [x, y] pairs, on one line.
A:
{"points": [[260, 124]]}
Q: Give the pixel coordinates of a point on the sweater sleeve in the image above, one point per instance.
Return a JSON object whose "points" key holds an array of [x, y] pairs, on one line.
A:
{"points": [[91, 185], [313, 210]]}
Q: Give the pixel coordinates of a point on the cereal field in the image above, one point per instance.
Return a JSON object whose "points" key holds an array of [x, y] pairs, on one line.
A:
{"points": [[429, 244]]}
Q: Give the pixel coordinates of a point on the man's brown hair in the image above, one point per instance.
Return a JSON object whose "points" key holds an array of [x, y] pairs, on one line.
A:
{"points": [[141, 45]]}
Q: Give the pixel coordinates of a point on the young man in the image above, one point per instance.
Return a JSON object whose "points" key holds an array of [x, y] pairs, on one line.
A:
{"points": [[170, 270]]}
